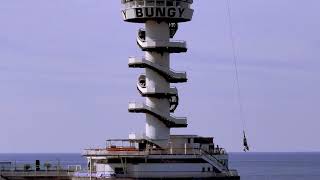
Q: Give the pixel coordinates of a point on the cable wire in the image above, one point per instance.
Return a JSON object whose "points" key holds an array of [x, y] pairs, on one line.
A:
{"points": [[235, 62]]}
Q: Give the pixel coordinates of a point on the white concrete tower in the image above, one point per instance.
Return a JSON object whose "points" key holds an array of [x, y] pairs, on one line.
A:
{"points": [[161, 18]]}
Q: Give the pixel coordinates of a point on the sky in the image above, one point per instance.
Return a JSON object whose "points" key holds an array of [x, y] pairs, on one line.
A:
{"points": [[65, 82]]}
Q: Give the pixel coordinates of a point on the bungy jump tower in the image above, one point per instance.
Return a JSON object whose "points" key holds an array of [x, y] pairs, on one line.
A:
{"points": [[156, 154]]}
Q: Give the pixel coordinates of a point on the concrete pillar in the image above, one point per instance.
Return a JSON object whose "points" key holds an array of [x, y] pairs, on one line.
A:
{"points": [[155, 129]]}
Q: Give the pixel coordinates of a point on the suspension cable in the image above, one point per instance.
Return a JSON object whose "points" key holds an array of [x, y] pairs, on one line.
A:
{"points": [[235, 62]]}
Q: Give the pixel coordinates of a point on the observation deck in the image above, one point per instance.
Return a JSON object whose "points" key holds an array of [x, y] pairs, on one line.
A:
{"points": [[176, 46], [143, 149], [140, 11]]}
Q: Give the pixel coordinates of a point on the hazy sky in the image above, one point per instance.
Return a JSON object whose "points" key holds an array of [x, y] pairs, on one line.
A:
{"points": [[65, 84]]}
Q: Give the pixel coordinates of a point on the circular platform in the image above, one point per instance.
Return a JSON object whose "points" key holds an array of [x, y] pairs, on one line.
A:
{"points": [[140, 11]]}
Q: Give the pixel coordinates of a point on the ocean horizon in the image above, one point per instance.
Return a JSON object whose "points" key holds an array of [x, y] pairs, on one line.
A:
{"points": [[251, 166]]}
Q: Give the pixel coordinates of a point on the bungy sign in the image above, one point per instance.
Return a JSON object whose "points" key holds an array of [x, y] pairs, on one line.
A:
{"points": [[161, 12], [171, 12]]}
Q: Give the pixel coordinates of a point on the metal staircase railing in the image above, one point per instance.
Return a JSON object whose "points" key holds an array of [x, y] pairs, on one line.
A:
{"points": [[169, 74], [170, 121], [213, 160]]}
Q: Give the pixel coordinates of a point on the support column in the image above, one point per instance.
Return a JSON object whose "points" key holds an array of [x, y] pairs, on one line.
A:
{"points": [[155, 129]]}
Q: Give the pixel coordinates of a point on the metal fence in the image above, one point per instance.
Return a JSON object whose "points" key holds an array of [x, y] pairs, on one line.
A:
{"points": [[47, 167]]}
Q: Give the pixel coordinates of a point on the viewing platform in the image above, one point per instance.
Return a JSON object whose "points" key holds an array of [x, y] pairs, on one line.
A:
{"points": [[139, 11], [162, 46], [132, 147]]}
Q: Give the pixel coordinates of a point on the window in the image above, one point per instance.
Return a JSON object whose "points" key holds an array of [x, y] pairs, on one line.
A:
{"points": [[169, 2], [118, 170], [178, 3], [209, 169], [203, 169], [140, 3], [160, 3], [149, 2]]}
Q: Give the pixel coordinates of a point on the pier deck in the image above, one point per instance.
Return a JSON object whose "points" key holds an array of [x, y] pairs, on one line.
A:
{"points": [[36, 175]]}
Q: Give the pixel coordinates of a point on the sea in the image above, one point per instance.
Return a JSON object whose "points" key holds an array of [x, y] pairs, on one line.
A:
{"points": [[251, 166]]}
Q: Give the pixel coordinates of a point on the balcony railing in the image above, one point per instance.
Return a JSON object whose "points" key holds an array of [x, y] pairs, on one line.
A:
{"points": [[155, 174], [137, 106], [133, 60], [162, 43], [156, 3], [137, 152]]}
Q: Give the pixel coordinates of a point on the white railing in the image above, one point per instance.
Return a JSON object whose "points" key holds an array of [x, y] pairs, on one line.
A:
{"points": [[154, 43], [157, 90], [133, 60], [136, 152], [136, 105], [213, 159], [152, 174], [169, 151], [36, 173], [142, 106], [105, 152], [27, 166]]}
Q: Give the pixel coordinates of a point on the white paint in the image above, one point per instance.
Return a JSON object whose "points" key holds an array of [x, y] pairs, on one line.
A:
{"points": [[130, 14], [155, 129], [157, 169]]}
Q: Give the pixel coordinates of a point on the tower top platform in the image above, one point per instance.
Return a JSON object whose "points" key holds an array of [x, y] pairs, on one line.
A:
{"points": [[140, 11]]}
